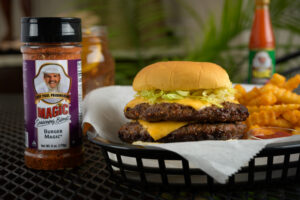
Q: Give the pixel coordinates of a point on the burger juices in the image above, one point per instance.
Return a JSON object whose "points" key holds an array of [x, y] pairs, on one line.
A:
{"points": [[183, 101]]}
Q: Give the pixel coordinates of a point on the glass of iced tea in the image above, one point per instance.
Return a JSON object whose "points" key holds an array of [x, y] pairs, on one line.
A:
{"points": [[98, 66]]}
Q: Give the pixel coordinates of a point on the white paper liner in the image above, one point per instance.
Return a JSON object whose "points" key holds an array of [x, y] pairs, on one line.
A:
{"points": [[103, 109]]}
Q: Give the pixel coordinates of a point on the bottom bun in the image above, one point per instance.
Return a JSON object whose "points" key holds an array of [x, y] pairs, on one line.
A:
{"points": [[133, 131]]}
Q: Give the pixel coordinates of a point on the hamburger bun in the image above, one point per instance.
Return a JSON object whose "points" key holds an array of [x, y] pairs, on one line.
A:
{"points": [[181, 75]]}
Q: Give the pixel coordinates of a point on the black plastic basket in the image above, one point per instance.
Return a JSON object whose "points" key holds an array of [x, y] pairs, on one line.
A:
{"points": [[280, 163]]}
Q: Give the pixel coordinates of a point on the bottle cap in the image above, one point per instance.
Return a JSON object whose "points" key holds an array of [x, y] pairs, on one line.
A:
{"points": [[50, 29], [262, 2]]}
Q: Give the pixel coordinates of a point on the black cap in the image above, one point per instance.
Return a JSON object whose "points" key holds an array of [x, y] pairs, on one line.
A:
{"points": [[50, 29]]}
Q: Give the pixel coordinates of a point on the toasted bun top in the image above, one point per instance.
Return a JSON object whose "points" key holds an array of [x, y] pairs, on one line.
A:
{"points": [[181, 75]]}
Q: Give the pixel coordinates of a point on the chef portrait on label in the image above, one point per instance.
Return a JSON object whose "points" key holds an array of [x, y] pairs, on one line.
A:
{"points": [[52, 79], [262, 65]]}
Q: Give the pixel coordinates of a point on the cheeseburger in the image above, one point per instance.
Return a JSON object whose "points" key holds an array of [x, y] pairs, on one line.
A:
{"points": [[180, 101]]}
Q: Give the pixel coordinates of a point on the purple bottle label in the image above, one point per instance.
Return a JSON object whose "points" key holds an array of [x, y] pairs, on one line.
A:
{"points": [[52, 99]]}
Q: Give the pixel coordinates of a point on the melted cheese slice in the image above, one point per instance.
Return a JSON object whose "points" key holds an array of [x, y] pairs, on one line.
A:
{"points": [[195, 103], [159, 130], [135, 102]]}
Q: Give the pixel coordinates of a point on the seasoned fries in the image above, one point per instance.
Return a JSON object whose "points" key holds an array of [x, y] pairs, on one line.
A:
{"points": [[292, 116], [277, 108], [267, 99], [281, 123], [292, 83], [283, 95], [262, 118], [277, 80], [274, 104], [240, 91]]}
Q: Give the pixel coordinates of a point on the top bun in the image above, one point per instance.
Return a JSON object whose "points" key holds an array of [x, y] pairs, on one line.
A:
{"points": [[181, 75]]}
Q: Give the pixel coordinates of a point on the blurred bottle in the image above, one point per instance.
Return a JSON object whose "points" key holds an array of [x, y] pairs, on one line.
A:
{"points": [[261, 45], [98, 66]]}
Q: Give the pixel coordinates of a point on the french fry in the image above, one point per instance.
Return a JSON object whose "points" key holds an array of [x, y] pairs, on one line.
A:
{"points": [[240, 91], [250, 95], [274, 104], [267, 88], [283, 96], [292, 83], [276, 108], [241, 100], [262, 118], [267, 99], [267, 118], [277, 80], [252, 109], [287, 97], [254, 126], [297, 130], [293, 116], [281, 123]]}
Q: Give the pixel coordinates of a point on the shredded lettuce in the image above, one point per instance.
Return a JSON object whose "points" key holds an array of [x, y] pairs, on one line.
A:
{"points": [[183, 93], [213, 96]]}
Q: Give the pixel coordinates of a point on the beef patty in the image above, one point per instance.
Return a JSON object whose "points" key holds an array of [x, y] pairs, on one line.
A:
{"points": [[230, 112], [133, 131]]}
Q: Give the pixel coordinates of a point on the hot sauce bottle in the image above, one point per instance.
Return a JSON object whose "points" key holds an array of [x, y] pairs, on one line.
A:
{"points": [[52, 92], [261, 45]]}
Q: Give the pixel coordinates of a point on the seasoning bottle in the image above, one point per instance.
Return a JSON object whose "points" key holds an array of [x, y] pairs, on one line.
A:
{"points": [[98, 66], [52, 92], [261, 45]]}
